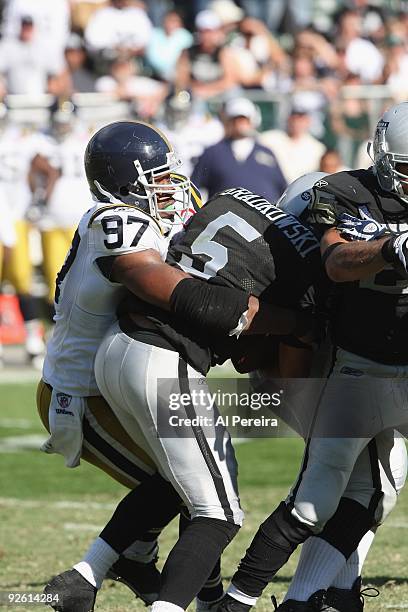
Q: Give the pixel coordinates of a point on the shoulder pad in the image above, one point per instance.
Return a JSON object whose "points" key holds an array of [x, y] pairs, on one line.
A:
{"points": [[341, 192], [322, 206]]}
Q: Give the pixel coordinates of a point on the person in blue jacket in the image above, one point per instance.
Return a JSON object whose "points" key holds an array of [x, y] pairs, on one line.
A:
{"points": [[238, 159]]}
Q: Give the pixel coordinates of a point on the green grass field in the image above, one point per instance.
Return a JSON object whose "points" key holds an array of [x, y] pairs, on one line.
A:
{"points": [[49, 513]]}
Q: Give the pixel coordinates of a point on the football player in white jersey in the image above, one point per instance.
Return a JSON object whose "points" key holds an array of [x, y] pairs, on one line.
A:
{"points": [[80, 422], [18, 146], [59, 184], [7, 239]]}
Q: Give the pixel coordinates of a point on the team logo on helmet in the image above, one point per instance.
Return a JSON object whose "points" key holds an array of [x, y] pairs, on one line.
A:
{"points": [[306, 196]]}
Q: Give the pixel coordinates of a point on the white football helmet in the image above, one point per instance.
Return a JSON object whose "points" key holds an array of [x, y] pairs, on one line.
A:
{"points": [[298, 195], [390, 148]]}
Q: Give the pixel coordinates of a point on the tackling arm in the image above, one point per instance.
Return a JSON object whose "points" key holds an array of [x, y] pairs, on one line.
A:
{"points": [[350, 261], [147, 276]]}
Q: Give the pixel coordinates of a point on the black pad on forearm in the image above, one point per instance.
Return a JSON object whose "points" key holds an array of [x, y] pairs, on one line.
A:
{"points": [[215, 308]]}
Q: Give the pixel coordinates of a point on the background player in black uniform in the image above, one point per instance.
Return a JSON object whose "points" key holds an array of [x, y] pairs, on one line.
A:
{"points": [[370, 319], [238, 240]]}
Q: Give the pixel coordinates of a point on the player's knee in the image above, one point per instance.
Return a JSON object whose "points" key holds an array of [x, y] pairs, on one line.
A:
{"points": [[386, 505], [399, 463], [319, 495], [311, 516]]}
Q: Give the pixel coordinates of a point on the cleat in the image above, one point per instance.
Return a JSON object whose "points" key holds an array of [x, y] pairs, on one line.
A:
{"points": [[141, 578], [348, 600], [315, 603], [229, 604], [74, 593]]}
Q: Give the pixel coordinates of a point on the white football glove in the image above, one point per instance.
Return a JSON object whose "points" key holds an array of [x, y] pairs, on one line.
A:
{"points": [[395, 251], [366, 228]]}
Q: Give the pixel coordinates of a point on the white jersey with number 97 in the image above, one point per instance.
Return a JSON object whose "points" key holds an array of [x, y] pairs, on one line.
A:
{"points": [[86, 299]]}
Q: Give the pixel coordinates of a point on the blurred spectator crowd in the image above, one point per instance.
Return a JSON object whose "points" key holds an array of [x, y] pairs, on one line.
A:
{"points": [[263, 89]]}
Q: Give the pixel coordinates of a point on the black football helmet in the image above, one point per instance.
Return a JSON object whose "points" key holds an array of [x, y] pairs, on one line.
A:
{"points": [[132, 162]]}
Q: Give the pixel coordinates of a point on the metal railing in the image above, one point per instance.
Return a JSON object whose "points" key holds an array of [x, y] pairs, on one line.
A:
{"points": [[94, 109]]}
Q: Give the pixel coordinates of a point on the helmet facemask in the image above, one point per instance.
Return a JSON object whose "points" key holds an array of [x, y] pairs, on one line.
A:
{"points": [[385, 163], [166, 194]]}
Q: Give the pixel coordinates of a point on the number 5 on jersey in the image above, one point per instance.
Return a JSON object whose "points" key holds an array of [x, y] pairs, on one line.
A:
{"points": [[218, 254]]}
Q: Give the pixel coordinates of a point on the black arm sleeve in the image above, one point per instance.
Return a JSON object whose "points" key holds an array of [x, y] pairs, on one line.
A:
{"points": [[215, 308]]}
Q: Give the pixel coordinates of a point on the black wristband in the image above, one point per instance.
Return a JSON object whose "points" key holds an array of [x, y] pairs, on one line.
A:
{"points": [[387, 251], [329, 251], [215, 308]]}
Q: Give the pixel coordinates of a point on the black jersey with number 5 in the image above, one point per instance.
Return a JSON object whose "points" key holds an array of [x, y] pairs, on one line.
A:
{"points": [[242, 241], [249, 244]]}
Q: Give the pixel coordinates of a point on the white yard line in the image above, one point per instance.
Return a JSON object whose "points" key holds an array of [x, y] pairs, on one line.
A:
{"points": [[14, 502], [10, 376], [82, 527], [17, 423], [15, 444]]}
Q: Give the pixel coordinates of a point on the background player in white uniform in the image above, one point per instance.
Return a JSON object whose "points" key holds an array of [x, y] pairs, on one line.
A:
{"points": [[18, 146], [7, 239], [191, 129], [58, 178], [80, 422]]}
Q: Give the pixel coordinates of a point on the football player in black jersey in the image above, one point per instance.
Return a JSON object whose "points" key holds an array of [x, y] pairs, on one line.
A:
{"points": [[363, 215]]}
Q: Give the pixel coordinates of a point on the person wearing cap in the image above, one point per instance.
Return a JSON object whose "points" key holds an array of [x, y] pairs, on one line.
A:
{"points": [[297, 151], [206, 68], [230, 15], [26, 62], [239, 159]]}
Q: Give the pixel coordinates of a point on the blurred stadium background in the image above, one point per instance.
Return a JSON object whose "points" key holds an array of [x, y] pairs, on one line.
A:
{"points": [[319, 73]]}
